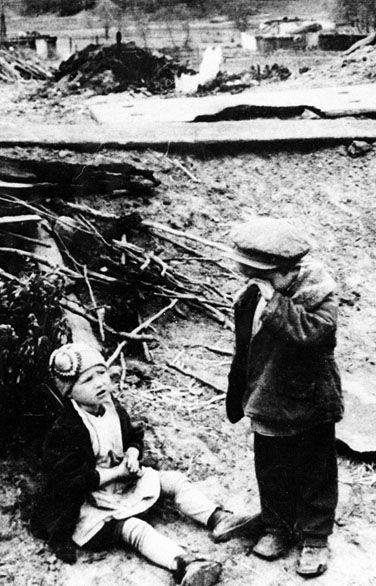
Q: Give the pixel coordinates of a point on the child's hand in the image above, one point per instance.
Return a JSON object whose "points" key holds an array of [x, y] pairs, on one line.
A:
{"points": [[131, 460], [266, 288]]}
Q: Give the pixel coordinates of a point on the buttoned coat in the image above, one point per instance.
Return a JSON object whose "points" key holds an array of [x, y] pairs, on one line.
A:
{"points": [[286, 374]]}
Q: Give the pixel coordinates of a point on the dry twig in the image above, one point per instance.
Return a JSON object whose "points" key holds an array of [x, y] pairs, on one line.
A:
{"points": [[142, 326], [196, 377]]}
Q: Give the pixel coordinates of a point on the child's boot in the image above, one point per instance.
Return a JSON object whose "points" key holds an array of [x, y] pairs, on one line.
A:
{"points": [[313, 560], [225, 525], [272, 546], [196, 572]]}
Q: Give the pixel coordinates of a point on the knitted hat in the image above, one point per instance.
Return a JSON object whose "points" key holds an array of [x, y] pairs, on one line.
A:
{"points": [[70, 361], [268, 243]]}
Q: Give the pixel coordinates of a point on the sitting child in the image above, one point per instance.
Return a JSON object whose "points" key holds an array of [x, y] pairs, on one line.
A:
{"points": [[96, 487]]}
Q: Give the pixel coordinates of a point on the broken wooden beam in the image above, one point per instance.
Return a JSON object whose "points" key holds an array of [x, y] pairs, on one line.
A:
{"points": [[75, 179]]}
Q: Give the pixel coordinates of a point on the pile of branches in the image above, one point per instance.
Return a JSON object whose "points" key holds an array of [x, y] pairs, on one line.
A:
{"points": [[117, 68], [16, 66], [120, 256], [237, 82]]}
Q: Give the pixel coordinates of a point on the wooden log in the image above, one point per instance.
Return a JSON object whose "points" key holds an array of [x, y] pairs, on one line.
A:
{"points": [[80, 327], [96, 177], [370, 40]]}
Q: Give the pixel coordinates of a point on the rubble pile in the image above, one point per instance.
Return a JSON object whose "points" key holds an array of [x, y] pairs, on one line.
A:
{"points": [[361, 63], [237, 82], [117, 68], [16, 66], [350, 68]]}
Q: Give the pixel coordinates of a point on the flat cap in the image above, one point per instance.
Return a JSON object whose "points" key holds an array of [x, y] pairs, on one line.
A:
{"points": [[267, 243]]}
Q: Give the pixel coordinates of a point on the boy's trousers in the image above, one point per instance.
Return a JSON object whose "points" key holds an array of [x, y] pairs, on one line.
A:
{"points": [[298, 482]]}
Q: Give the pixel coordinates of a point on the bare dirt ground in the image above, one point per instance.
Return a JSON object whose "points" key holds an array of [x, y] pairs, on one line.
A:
{"points": [[332, 196]]}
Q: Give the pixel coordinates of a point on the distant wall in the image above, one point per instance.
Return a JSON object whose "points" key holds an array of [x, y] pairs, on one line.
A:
{"points": [[337, 42], [269, 44]]}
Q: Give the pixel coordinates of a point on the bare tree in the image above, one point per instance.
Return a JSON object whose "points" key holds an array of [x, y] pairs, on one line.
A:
{"points": [[361, 13]]}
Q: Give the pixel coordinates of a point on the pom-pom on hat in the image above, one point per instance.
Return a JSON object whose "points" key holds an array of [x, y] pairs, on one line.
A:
{"points": [[68, 362], [268, 243]]}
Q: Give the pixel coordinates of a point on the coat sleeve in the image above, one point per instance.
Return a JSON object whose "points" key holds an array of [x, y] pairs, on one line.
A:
{"points": [[237, 379], [65, 462], [293, 323]]}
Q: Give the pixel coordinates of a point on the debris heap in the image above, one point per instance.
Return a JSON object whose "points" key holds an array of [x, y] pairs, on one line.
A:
{"points": [[355, 66], [17, 66], [119, 67], [237, 82]]}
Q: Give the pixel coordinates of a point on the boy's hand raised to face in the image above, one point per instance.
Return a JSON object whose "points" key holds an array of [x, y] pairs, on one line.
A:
{"points": [[266, 288]]}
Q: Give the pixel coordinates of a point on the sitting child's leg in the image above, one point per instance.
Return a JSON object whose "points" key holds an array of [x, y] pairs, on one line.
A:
{"points": [[188, 499], [157, 548], [162, 551], [192, 502]]}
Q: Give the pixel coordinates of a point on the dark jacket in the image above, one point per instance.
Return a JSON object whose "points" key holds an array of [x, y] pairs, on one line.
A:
{"points": [[287, 374], [69, 467]]}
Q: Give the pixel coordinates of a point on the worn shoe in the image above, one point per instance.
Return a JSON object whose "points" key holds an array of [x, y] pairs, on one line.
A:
{"points": [[66, 552], [272, 546], [197, 572], [313, 560], [228, 525]]}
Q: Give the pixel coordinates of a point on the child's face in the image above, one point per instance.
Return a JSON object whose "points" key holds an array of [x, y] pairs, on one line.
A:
{"points": [[92, 388], [280, 279]]}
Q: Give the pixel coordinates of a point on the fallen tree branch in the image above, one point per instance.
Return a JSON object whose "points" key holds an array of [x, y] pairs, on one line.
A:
{"points": [[64, 270], [26, 219], [184, 169], [145, 347], [370, 40], [129, 336], [213, 349], [98, 311], [227, 250], [84, 209], [196, 377], [9, 276], [196, 254], [142, 326], [27, 238]]}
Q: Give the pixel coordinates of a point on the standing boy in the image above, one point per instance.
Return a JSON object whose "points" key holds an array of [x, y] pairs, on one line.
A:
{"points": [[285, 379]]}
